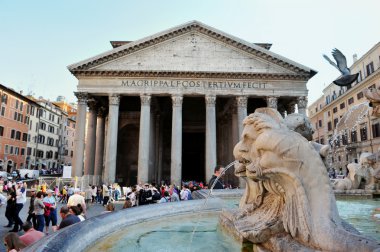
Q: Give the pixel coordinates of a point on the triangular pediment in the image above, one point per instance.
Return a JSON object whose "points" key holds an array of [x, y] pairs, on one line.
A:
{"points": [[192, 47]]}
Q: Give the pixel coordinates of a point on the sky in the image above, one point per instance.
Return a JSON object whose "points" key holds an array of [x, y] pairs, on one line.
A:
{"points": [[39, 39]]}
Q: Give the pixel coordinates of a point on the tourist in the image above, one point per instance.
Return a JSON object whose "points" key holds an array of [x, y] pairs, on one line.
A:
{"points": [[44, 187], [145, 196], [3, 199], [156, 195], [174, 194], [70, 191], [94, 191], [67, 218], [20, 201], [99, 195], [166, 198], [11, 206], [13, 243], [56, 191], [50, 211], [110, 207], [127, 203], [78, 211], [39, 210], [76, 199], [88, 195], [31, 215], [106, 194], [31, 235], [184, 193], [117, 192], [218, 184], [132, 196], [63, 198]]}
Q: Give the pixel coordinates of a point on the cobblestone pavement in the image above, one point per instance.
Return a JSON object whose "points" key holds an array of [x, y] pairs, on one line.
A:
{"points": [[92, 210]]}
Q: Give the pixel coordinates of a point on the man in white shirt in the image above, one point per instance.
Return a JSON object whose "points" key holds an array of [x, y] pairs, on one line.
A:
{"points": [[184, 193], [20, 201], [76, 200]]}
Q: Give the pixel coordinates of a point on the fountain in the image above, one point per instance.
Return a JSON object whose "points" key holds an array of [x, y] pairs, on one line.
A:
{"points": [[288, 205]]}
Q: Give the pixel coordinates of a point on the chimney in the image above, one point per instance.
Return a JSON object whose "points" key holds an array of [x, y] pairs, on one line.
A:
{"points": [[20, 92], [355, 57]]}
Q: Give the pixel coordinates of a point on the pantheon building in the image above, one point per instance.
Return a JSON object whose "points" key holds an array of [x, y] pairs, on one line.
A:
{"points": [[169, 107]]}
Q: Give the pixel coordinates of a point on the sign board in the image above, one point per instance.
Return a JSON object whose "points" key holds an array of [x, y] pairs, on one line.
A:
{"points": [[32, 174], [66, 172]]}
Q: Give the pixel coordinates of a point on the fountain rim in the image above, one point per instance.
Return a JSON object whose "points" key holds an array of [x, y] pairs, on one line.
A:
{"points": [[79, 236]]}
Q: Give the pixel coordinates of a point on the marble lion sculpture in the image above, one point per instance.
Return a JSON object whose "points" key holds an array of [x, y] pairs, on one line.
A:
{"points": [[288, 204]]}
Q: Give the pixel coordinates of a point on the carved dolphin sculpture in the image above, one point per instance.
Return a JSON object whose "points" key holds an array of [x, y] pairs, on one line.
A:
{"points": [[347, 78]]}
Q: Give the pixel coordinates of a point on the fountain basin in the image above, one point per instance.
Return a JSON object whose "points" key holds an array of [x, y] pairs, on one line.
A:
{"points": [[159, 227], [82, 236]]}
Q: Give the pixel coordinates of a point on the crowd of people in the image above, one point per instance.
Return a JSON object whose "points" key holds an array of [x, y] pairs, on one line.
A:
{"points": [[43, 208]]}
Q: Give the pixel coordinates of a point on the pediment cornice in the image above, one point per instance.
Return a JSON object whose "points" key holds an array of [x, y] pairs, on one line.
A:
{"points": [[194, 26], [181, 74]]}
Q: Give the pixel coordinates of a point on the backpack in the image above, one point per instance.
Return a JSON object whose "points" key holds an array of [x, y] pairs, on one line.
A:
{"points": [[156, 196], [47, 209], [189, 197]]}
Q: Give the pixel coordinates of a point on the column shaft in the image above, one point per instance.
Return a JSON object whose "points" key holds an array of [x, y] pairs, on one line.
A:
{"points": [[79, 135], [143, 159], [111, 144], [91, 139], [241, 111], [176, 152], [100, 127], [210, 136]]}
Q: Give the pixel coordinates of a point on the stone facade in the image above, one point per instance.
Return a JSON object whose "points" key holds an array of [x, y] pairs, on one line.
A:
{"points": [[335, 102], [173, 103]]}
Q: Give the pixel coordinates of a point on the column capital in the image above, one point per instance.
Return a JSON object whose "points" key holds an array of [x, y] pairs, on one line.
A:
{"points": [[291, 107], [272, 102], [242, 101], [177, 100], [145, 99], [114, 99], [210, 100], [92, 104], [302, 102], [82, 97], [101, 112]]}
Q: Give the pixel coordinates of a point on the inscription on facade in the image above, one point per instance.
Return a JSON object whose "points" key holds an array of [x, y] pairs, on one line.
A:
{"points": [[188, 84]]}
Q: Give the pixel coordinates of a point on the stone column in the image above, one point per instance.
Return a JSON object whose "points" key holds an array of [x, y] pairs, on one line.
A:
{"points": [[272, 102], [91, 139], [176, 155], [79, 135], [143, 161], [301, 104], [100, 127], [111, 143], [291, 108], [210, 136], [241, 102]]}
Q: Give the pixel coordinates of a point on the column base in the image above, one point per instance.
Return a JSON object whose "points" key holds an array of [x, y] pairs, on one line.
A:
{"points": [[96, 180], [85, 181]]}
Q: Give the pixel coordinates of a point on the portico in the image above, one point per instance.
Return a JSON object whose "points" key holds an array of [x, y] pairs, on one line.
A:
{"points": [[179, 95]]}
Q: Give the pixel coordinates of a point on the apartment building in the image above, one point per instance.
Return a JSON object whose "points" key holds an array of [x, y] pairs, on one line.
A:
{"points": [[49, 133], [69, 111], [326, 112], [15, 113]]}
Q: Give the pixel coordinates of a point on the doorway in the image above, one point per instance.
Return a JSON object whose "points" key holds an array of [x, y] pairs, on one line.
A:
{"points": [[193, 156]]}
